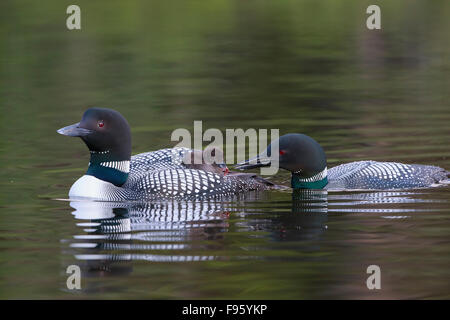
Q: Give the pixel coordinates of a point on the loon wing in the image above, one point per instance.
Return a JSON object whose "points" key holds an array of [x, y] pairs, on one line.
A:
{"points": [[383, 175], [183, 183]]}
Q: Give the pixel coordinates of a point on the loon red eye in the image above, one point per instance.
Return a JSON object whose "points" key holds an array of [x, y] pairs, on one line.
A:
{"points": [[282, 152], [100, 124]]}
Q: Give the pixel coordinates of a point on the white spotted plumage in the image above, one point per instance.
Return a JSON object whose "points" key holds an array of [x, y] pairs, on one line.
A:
{"points": [[383, 175]]}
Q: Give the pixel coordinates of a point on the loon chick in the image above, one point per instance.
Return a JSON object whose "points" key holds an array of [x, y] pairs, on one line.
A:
{"points": [[306, 160], [211, 160], [114, 175]]}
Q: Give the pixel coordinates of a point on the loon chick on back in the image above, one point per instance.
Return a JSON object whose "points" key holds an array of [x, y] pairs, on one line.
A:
{"points": [[211, 160], [114, 175], [306, 160]]}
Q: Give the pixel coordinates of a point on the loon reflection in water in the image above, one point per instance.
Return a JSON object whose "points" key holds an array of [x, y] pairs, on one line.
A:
{"points": [[116, 234], [174, 231], [114, 175]]}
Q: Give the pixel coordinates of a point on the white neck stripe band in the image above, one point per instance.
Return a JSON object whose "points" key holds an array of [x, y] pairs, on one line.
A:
{"points": [[317, 177], [123, 166]]}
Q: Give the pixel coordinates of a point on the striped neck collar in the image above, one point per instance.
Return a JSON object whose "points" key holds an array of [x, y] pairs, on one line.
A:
{"points": [[104, 167], [317, 181], [123, 166]]}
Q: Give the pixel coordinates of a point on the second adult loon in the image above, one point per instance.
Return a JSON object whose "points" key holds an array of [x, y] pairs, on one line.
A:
{"points": [[114, 175], [306, 160]]}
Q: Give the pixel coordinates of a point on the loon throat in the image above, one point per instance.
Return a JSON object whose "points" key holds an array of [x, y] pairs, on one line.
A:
{"points": [[104, 168], [317, 181]]}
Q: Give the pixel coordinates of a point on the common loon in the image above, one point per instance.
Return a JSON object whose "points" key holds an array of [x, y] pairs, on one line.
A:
{"points": [[114, 175], [306, 160]]}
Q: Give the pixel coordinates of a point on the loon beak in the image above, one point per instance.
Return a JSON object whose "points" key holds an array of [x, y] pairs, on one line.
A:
{"points": [[74, 130], [256, 162]]}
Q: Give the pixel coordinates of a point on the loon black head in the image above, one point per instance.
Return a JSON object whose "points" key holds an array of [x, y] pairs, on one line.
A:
{"points": [[107, 135], [298, 153]]}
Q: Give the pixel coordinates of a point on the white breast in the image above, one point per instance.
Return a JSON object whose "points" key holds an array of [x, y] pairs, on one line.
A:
{"points": [[91, 187]]}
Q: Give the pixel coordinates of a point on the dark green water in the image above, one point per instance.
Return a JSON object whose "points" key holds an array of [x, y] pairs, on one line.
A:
{"points": [[300, 66]]}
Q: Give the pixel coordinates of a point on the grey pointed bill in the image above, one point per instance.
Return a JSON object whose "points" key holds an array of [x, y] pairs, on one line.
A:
{"points": [[256, 162], [74, 130]]}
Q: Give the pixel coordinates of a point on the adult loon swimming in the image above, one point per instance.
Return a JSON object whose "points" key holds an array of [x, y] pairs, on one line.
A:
{"points": [[306, 160], [114, 175]]}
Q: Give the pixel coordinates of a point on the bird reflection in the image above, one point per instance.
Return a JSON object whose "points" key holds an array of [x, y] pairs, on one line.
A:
{"points": [[110, 236], [306, 220], [309, 215]]}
